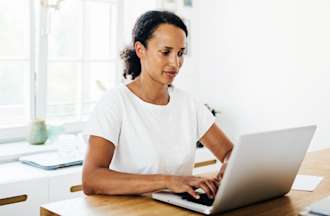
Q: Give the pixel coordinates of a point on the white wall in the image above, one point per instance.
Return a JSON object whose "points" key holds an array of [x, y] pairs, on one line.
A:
{"points": [[132, 10], [266, 64]]}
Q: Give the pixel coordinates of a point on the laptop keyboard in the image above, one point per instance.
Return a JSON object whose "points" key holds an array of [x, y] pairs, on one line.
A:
{"points": [[203, 198]]}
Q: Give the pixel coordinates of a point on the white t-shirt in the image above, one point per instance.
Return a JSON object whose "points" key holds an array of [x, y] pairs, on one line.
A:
{"points": [[149, 138]]}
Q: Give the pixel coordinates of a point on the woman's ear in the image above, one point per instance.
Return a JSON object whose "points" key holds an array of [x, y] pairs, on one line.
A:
{"points": [[139, 49]]}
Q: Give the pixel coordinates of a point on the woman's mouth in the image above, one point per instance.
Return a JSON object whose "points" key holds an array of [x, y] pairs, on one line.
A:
{"points": [[170, 74]]}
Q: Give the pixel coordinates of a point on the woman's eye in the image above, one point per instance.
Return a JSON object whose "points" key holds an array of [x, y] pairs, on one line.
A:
{"points": [[165, 53]]}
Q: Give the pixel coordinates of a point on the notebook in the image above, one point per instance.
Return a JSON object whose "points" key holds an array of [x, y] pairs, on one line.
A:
{"points": [[52, 160]]}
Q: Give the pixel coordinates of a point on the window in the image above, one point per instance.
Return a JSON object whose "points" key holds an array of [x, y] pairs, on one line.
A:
{"points": [[81, 52], [55, 57], [15, 62]]}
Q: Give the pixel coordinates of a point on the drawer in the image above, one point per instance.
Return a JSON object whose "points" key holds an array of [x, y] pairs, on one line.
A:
{"points": [[23, 197], [213, 167], [65, 187], [203, 155]]}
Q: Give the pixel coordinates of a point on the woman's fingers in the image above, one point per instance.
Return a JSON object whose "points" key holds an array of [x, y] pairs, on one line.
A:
{"points": [[212, 188], [188, 184], [207, 185], [211, 185], [206, 189], [192, 192]]}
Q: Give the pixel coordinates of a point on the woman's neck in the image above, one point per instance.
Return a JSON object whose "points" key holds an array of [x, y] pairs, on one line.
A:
{"points": [[150, 90]]}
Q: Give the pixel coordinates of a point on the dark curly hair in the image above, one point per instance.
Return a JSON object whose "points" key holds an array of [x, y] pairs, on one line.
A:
{"points": [[142, 32]]}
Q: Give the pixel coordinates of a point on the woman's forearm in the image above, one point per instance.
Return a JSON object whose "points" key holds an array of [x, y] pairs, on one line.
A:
{"points": [[105, 181]]}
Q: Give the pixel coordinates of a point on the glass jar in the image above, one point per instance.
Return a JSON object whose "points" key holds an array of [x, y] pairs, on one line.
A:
{"points": [[37, 132]]}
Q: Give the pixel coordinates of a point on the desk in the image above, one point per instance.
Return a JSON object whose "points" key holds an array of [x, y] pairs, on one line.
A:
{"points": [[315, 163]]}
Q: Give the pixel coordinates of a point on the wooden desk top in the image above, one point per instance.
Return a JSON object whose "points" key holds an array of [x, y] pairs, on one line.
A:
{"points": [[315, 163]]}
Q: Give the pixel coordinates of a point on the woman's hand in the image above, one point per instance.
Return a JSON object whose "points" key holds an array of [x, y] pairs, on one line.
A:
{"points": [[179, 184], [222, 171]]}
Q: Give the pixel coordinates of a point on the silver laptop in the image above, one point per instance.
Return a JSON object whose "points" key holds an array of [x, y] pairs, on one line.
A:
{"points": [[262, 166]]}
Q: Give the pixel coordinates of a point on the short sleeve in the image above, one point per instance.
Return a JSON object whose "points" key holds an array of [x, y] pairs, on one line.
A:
{"points": [[205, 119], [105, 120]]}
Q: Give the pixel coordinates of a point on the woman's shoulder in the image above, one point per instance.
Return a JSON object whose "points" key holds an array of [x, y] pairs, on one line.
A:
{"points": [[179, 91], [182, 94], [186, 98]]}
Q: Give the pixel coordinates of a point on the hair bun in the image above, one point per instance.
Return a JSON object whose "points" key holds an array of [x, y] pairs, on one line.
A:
{"points": [[132, 63]]}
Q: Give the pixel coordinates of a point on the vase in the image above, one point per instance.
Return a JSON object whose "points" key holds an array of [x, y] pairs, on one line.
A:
{"points": [[37, 132]]}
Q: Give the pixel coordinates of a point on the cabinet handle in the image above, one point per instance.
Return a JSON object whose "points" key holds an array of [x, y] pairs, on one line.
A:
{"points": [[75, 188], [204, 163], [12, 200]]}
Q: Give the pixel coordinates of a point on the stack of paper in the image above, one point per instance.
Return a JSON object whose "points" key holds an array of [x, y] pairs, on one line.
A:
{"points": [[321, 207], [306, 182]]}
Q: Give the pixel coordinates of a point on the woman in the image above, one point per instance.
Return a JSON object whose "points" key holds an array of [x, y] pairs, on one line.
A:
{"points": [[142, 135]]}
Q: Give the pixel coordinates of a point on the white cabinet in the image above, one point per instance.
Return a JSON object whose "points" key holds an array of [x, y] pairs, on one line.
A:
{"points": [[23, 189], [65, 187], [23, 197]]}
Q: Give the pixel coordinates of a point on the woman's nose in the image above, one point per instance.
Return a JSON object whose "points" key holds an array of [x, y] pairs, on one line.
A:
{"points": [[175, 61]]}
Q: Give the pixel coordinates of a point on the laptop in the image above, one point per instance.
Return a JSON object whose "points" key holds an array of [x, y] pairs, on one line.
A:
{"points": [[70, 152], [262, 166]]}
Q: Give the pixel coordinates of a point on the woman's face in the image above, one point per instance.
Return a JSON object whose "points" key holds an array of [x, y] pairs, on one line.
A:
{"points": [[163, 56]]}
